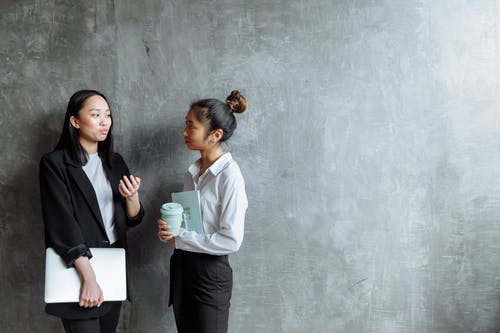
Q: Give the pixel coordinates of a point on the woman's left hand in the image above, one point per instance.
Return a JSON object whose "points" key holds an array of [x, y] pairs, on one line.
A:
{"points": [[129, 186]]}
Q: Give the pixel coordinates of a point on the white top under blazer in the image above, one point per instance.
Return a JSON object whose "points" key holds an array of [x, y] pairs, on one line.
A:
{"points": [[103, 192], [223, 205]]}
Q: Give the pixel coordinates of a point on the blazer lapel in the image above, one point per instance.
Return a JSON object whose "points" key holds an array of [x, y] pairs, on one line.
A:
{"points": [[114, 180], [85, 186]]}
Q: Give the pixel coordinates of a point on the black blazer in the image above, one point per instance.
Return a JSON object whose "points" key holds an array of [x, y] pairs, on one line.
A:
{"points": [[72, 218]]}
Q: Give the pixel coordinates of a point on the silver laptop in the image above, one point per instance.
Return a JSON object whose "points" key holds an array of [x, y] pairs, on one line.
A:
{"points": [[62, 285]]}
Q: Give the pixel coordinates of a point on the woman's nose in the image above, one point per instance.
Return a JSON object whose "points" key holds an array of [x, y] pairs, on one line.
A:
{"points": [[104, 120]]}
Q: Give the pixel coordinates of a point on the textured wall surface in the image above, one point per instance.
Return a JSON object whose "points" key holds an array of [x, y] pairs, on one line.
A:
{"points": [[371, 152]]}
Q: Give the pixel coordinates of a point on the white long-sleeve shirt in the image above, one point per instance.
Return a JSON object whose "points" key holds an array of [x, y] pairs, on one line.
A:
{"points": [[223, 205]]}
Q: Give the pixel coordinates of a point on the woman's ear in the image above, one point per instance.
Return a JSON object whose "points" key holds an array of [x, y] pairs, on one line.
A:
{"points": [[217, 135], [74, 121]]}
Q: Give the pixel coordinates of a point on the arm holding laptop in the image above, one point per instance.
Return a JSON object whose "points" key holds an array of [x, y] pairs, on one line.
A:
{"points": [[91, 293]]}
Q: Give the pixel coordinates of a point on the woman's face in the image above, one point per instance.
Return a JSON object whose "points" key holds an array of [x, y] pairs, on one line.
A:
{"points": [[93, 121], [195, 133]]}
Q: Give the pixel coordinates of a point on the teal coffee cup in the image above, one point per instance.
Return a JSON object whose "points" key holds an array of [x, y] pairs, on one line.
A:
{"points": [[172, 214]]}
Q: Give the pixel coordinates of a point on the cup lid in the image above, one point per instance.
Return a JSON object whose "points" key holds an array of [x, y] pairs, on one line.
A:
{"points": [[171, 208]]}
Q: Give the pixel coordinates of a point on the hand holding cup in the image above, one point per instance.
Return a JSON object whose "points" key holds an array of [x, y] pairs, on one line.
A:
{"points": [[164, 230], [170, 222]]}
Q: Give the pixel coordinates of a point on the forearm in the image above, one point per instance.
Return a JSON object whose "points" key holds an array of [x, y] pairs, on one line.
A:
{"points": [[90, 293], [218, 243], [84, 269], [132, 205]]}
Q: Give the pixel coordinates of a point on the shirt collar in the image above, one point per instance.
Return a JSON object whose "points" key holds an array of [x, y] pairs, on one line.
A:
{"points": [[215, 168]]}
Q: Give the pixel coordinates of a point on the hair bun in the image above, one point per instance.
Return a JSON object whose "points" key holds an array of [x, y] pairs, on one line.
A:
{"points": [[236, 102]]}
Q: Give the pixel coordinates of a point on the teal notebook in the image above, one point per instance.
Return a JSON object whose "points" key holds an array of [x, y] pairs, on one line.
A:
{"points": [[190, 201]]}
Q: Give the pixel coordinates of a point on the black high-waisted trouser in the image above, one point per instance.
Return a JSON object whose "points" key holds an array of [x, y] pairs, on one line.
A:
{"points": [[200, 291]]}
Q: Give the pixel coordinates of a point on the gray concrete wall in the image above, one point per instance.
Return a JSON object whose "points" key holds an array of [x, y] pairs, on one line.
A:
{"points": [[371, 152]]}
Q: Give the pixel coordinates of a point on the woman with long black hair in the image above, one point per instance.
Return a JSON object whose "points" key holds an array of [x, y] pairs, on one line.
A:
{"points": [[89, 199]]}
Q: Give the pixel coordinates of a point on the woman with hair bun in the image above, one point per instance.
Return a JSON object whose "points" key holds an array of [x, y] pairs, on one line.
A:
{"points": [[201, 278]]}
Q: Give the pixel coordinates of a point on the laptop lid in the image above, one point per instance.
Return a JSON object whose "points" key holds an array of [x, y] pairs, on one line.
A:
{"points": [[62, 285]]}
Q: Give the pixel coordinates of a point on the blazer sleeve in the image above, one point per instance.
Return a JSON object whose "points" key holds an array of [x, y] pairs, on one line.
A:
{"points": [[130, 221], [62, 231]]}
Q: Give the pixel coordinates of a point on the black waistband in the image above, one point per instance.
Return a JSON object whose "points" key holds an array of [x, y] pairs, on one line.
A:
{"points": [[183, 253]]}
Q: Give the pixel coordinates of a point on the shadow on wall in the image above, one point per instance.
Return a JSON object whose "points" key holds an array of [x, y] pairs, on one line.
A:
{"points": [[158, 156], [21, 226]]}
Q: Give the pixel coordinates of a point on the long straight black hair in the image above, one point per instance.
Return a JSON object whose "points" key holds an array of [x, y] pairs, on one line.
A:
{"points": [[69, 139]]}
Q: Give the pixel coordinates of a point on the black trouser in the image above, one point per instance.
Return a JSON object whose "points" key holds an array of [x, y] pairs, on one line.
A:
{"points": [[200, 291], [104, 324]]}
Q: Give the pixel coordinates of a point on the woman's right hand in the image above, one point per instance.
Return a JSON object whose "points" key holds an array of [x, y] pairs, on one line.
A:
{"points": [[91, 294], [163, 232]]}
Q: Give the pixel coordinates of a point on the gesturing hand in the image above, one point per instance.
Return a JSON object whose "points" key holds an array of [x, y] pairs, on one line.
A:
{"points": [[129, 186]]}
